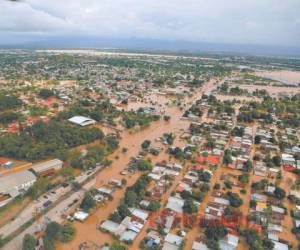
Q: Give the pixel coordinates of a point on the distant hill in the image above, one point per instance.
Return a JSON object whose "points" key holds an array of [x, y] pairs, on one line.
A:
{"points": [[153, 44]]}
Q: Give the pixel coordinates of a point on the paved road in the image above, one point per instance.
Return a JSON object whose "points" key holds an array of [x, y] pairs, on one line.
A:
{"points": [[55, 214]]}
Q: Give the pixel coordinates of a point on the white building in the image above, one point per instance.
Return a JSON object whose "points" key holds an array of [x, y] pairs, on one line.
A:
{"points": [[15, 183], [82, 120]]}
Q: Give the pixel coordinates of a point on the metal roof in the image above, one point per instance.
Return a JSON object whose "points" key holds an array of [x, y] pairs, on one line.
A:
{"points": [[15, 180], [46, 165]]}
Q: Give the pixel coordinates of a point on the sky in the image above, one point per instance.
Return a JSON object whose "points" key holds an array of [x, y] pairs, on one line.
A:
{"points": [[258, 22]]}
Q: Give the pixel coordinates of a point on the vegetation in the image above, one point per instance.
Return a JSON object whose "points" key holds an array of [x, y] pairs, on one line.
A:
{"points": [[88, 201], [9, 102], [56, 232], [43, 140], [29, 242]]}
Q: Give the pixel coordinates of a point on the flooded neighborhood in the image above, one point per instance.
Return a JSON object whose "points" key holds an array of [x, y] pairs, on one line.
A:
{"points": [[104, 150]]}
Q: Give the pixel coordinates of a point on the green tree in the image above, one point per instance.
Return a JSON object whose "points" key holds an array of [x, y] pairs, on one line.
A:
{"points": [[153, 206], [146, 144], [29, 242], [189, 206], [67, 233], [53, 230], [130, 198], [234, 199], [88, 202]]}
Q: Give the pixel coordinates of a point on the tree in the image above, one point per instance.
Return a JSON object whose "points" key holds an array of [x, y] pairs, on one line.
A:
{"points": [[53, 230], [260, 185], [67, 233], [33, 192], [212, 244], [153, 206], [247, 166], [238, 131], [123, 211], [46, 93], [144, 165], [8, 117], [169, 137], [279, 193], [130, 198], [217, 186], [257, 139], [88, 202], [115, 217], [215, 231], [111, 142], [234, 199], [227, 158], [167, 118], [48, 243], [244, 178], [189, 206], [146, 144], [254, 241], [204, 176], [276, 160], [29, 242], [117, 246]]}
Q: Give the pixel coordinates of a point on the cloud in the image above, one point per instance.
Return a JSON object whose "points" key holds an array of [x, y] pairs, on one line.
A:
{"points": [[273, 22]]}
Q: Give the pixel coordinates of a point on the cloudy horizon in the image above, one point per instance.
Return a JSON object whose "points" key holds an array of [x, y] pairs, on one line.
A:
{"points": [[247, 22]]}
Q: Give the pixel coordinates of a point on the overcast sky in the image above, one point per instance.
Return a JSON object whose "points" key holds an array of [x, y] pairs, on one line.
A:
{"points": [[274, 22]]}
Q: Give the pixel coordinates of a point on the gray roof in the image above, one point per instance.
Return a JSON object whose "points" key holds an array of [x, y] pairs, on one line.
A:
{"points": [[14, 181], [81, 120], [47, 165]]}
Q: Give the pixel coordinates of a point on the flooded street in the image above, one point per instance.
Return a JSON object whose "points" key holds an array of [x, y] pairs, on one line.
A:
{"points": [[132, 140]]}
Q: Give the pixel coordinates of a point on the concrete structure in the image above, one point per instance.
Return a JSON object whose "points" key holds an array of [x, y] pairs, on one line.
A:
{"points": [[15, 183], [82, 120], [47, 167]]}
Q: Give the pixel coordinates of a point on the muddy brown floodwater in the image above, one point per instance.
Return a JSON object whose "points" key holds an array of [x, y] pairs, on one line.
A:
{"points": [[284, 76], [87, 231]]}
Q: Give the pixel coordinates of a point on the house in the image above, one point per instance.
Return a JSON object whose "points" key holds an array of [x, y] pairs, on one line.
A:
{"points": [[175, 204], [230, 242], [190, 177], [139, 215], [105, 191], [47, 167], [260, 169], [172, 242], [199, 246], [15, 183], [5, 162], [82, 120], [210, 159], [270, 189], [280, 246], [153, 238], [183, 187], [259, 197], [288, 160], [112, 227], [221, 201], [80, 216]]}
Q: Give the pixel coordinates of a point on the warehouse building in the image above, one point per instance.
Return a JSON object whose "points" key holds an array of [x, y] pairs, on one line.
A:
{"points": [[47, 167], [82, 120], [16, 183]]}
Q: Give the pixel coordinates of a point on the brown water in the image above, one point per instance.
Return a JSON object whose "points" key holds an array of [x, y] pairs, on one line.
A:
{"points": [[132, 140], [284, 76]]}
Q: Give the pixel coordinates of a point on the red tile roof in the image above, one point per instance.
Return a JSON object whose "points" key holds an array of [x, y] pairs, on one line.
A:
{"points": [[211, 159]]}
